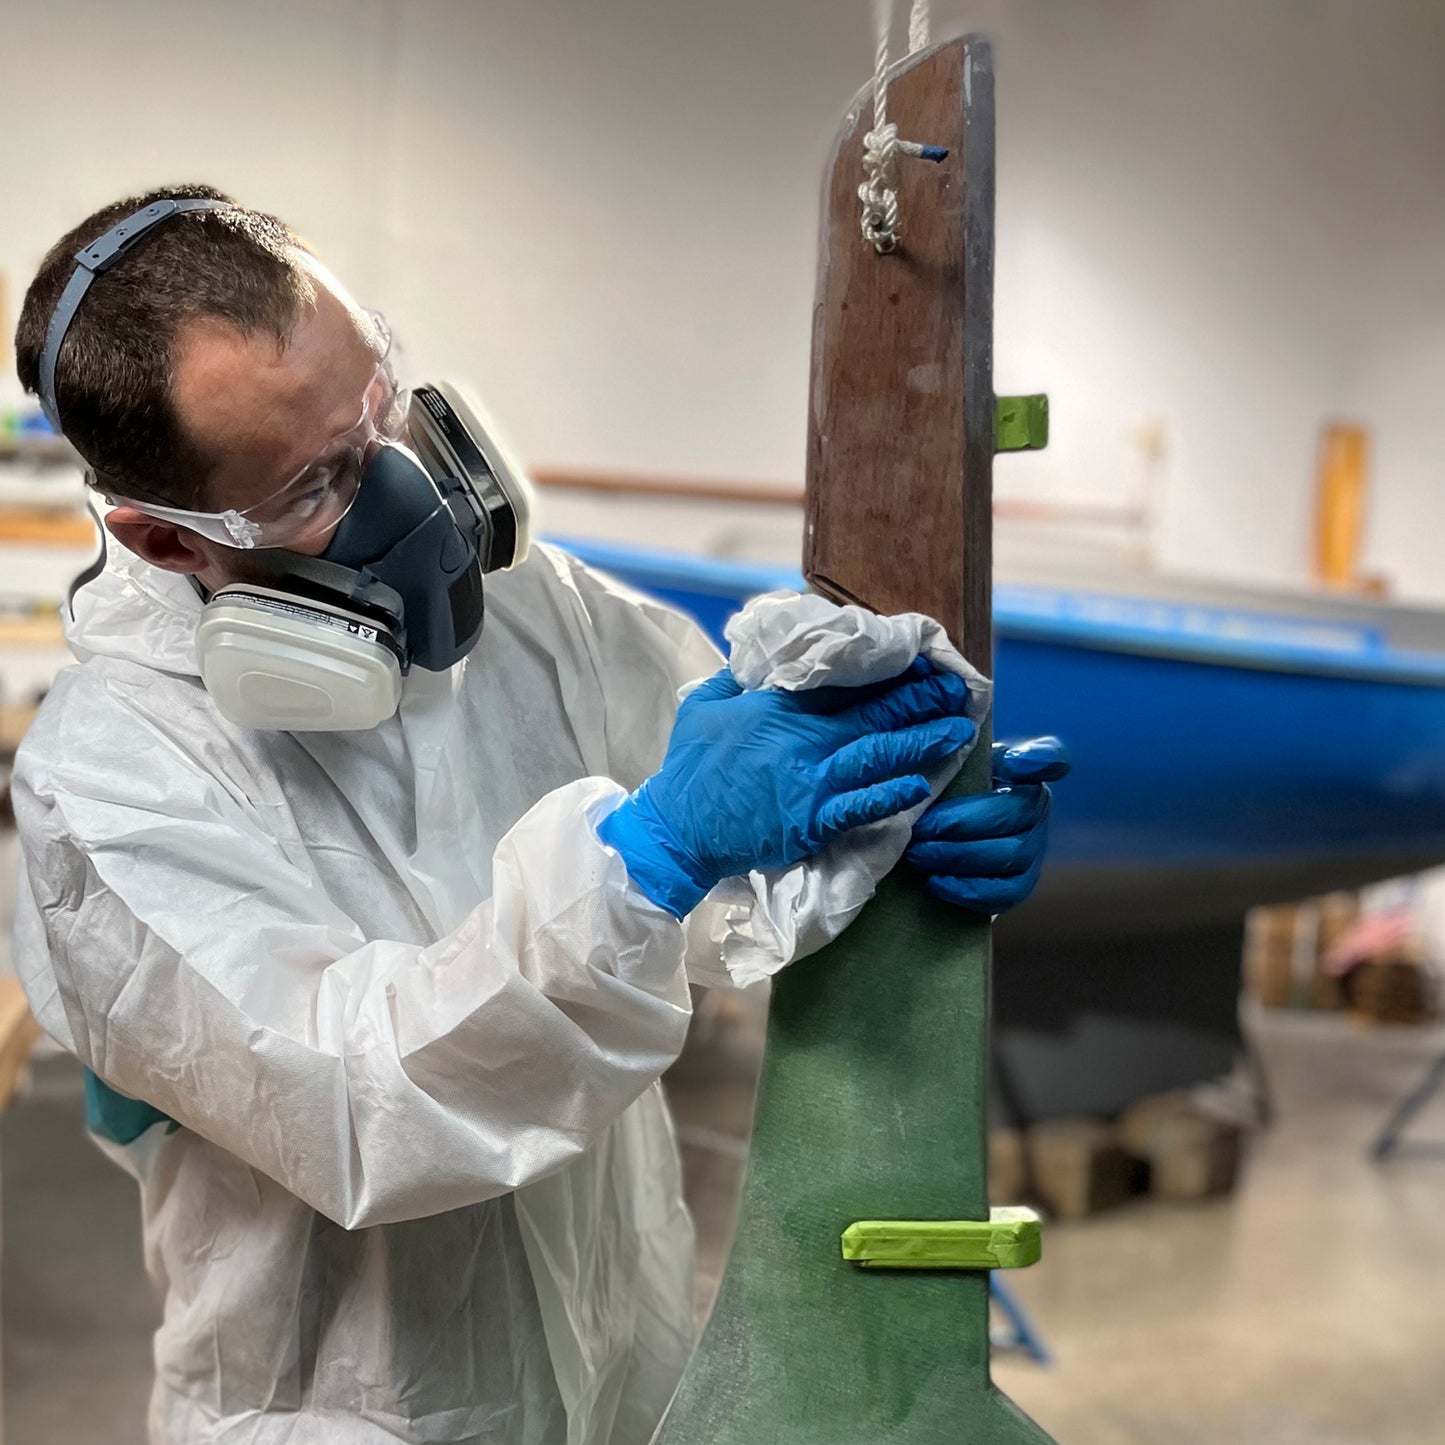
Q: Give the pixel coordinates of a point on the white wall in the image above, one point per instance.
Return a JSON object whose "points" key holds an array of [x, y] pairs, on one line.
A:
{"points": [[1226, 215]]}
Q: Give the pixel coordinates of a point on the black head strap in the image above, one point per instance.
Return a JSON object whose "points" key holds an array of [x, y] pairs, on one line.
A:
{"points": [[96, 258]]}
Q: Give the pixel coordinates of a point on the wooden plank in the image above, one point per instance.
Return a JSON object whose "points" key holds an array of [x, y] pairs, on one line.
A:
{"points": [[900, 428], [1342, 497]]}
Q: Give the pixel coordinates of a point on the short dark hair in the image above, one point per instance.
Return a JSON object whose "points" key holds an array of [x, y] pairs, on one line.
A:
{"points": [[113, 375]]}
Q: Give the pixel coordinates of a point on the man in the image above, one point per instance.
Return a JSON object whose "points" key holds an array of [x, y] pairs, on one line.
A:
{"points": [[376, 1016]]}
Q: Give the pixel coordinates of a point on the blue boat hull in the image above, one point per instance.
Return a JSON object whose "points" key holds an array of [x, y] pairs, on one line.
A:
{"points": [[1223, 758]]}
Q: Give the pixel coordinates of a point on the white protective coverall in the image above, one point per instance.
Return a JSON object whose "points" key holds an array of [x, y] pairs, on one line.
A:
{"points": [[406, 1009]]}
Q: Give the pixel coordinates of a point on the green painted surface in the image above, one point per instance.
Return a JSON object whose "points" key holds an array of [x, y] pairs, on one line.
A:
{"points": [[1010, 1238], [871, 1106], [1020, 423]]}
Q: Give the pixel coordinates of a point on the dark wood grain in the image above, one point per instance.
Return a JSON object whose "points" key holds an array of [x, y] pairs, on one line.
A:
{"points": [[900, 426]]}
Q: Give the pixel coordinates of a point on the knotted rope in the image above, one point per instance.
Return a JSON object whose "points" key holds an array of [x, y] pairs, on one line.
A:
{"points": [[882, 145]]}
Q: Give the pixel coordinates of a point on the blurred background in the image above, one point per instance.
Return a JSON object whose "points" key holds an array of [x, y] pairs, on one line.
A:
{"points": [[1220, 242]]}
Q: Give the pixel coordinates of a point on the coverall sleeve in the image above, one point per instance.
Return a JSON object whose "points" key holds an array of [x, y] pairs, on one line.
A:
{"points": [[643, 653], [182, 954]]}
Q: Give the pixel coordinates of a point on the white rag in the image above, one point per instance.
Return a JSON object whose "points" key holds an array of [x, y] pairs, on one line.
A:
{"points": [[796, 642]]}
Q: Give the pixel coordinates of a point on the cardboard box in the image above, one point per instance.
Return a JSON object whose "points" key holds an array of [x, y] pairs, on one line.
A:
{"points": [[1190, 1155], [1008, 1181], [1078, 1167], [1394, 989], [1269, 955]]}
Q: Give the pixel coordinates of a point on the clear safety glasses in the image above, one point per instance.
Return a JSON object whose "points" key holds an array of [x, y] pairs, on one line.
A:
{"points": [[321, 493]]}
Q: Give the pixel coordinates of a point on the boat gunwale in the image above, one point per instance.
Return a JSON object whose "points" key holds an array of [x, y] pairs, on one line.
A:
{"points": [[1377, 661]]}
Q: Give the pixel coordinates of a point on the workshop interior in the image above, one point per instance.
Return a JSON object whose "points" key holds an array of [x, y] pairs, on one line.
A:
{"points": [[722, 723]]}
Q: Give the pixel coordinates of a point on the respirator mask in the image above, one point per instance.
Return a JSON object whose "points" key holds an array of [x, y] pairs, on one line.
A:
{"points": [[308, 643], [423, 503]]}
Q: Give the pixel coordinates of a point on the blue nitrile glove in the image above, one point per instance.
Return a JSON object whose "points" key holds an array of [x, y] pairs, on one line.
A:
{"points": [[985, 852], [765, 779]]}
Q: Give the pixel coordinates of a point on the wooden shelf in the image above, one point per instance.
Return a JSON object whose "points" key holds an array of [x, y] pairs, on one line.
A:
{"points": [[37, 629], [36, 447], [47, 528]]}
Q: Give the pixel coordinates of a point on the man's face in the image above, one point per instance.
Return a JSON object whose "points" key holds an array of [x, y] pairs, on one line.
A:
{"points": [[263, 411]]}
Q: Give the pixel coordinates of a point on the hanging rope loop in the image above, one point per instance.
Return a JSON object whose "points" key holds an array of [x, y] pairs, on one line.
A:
{"points": [[882, 145]]}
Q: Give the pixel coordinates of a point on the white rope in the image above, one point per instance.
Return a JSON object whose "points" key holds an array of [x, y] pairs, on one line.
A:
{"points": [[879, 191], [881, 145], [918, 26]]}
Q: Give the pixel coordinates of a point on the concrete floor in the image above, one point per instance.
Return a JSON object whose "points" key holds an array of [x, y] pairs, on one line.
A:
{"points": [[1307, 1310], [78, 1311]]}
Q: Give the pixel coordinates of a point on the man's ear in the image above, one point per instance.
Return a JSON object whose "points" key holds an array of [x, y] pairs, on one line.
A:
{"points": [[162, 544]]}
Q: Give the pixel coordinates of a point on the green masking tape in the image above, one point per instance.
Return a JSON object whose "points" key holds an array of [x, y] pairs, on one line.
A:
{"points": [[1020, 423], [1009, 1238]]}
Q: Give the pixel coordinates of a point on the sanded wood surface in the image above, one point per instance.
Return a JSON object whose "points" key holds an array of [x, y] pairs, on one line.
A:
{"points": [[900, 427]]}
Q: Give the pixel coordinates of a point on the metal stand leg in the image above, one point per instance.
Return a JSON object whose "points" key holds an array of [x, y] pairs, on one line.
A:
{"points": [[1020, 1334], [1010, 1104], [1387, 1141]]}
